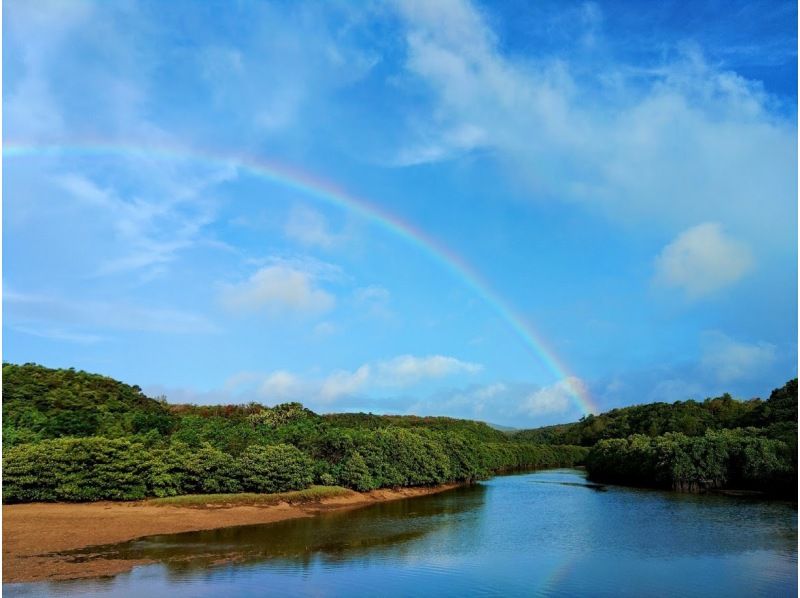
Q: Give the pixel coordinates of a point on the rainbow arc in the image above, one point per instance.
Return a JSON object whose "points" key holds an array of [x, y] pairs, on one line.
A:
{"points": [[329, 193]]}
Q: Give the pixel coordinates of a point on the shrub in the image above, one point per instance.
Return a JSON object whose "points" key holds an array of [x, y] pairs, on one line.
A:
{"points": [[75, 469], [327, 479], [276, 468], [180, 469], [354, 473]]}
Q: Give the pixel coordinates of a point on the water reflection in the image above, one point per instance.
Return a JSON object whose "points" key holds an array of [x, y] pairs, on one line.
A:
{"points": [[547, 533], [380, 532]]}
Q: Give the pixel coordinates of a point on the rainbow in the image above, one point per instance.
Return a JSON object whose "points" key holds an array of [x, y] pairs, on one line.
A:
{"points": [[330, 193]]}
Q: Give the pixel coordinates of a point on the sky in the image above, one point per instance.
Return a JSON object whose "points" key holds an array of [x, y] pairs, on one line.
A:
{"points": [[516, 212]]}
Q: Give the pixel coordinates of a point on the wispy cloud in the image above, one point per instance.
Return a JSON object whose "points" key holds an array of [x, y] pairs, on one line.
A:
{"points": [[717, 362], [310, 228], [373, 300], [669, 144], [730, 360], [59, 334], [642, 137], [73, 317], [147, 209], [150, 233], [265, 96], [39, 28], [324, 329]]}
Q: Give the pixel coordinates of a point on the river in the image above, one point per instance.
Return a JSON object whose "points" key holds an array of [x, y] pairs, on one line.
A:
{"points": [[548, 533]]}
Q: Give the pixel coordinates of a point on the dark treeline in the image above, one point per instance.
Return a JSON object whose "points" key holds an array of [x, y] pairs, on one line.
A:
{"points": [[690, 445], [742, 458], [70, 435]]}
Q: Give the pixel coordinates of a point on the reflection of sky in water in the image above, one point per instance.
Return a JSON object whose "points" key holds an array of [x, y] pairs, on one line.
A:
{"points": [[538, 533]]}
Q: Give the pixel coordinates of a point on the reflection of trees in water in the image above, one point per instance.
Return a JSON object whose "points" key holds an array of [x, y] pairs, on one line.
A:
{"points": [[376, 533], [664, 524]]}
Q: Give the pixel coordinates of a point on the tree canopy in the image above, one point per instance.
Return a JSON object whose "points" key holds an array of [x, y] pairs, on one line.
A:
{"points": [[71, 435]]}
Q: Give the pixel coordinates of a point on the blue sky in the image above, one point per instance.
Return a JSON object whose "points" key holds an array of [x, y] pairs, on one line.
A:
{"points": [[622, 174]]}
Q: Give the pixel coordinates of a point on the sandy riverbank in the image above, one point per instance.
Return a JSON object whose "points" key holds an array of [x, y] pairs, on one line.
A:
{"points": [[34, 533]]}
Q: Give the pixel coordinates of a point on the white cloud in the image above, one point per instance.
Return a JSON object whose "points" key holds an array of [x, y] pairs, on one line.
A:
{"points": [[344, 383], [514, 404], [276, 289], [556, 398], [396, 373], [399, 372], [511, 403], [702, 260], [467, 402], [405, 370], [309, 227], [670, 144], [279, 386], [730, 360]]}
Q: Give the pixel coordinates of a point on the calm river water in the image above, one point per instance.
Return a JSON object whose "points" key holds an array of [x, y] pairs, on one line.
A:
{"points": [[546, 533]]}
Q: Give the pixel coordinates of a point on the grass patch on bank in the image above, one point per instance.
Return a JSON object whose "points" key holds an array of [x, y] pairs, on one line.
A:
{"points": [[310, 494]]}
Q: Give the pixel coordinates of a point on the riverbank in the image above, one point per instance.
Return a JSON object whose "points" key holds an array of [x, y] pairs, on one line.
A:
{"points": [[35, 534]]}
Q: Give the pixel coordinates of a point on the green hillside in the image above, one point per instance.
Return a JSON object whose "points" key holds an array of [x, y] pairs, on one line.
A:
{"points": [[41, 403], [778, 415], [71, 435], [690, 445]]}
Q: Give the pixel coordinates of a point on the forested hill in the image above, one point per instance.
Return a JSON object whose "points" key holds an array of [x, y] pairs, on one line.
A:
{"points": [[777, 416], [478, 430], [70, 435], [41, 403], [719, 443]]}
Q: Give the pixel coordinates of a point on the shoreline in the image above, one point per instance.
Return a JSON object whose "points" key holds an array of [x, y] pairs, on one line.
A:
{"points": [[35, 533]]}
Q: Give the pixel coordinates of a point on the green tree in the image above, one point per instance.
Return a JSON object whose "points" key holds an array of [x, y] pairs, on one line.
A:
{"points": [[354, 473], [277, 468]]}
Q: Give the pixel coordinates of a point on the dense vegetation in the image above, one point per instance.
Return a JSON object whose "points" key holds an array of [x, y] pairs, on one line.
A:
{"points": [[70, 435], [778, 414], [740, 458], [690, 445]]}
